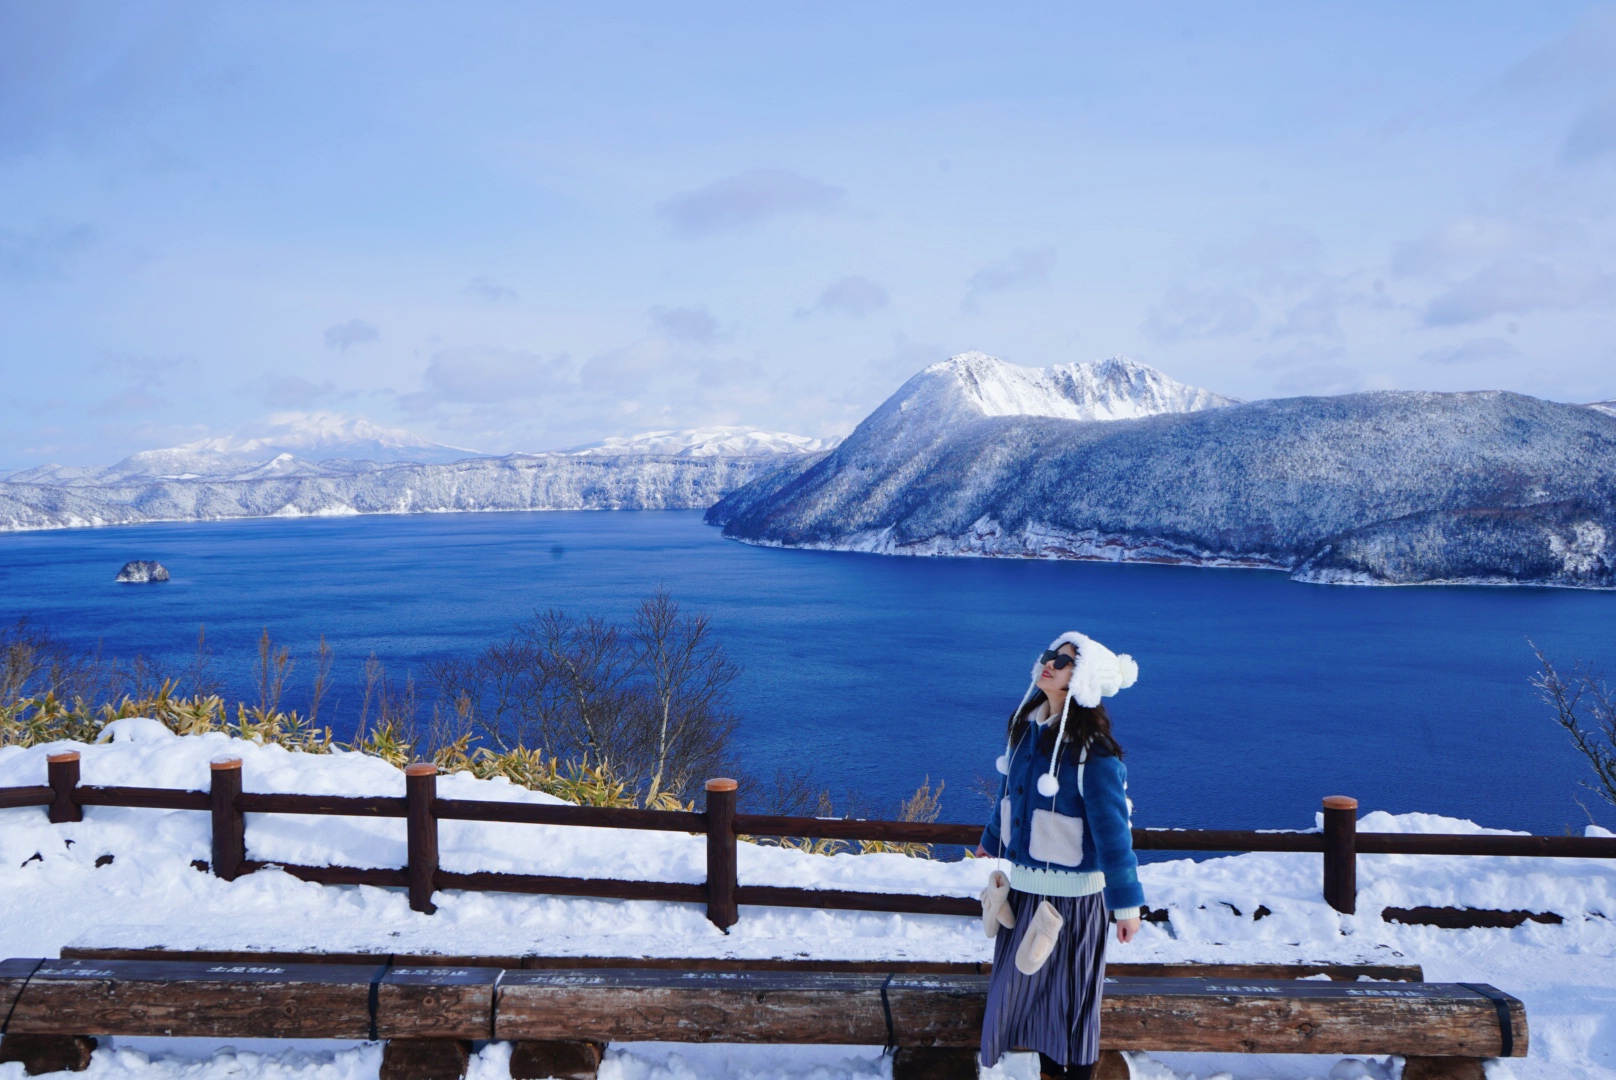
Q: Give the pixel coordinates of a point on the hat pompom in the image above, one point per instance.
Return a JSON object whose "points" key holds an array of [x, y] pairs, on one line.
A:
{"points": [[1048, 786], [1128, 670], [1002, 763]]}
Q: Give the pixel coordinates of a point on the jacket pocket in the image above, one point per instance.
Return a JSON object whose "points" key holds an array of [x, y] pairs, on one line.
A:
{"points": [[1004, 824], [1056, 838]]}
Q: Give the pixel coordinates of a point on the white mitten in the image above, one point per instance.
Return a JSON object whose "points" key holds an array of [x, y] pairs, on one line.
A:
{"points": [[996, 904], [1039, 941]]}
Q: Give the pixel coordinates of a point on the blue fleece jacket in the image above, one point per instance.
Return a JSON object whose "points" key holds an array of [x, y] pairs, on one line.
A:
{"points": [[1084, 832]]}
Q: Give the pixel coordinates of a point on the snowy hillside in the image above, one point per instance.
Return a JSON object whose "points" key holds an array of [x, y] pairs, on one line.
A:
{"points": [[1386, 487], [288, 487], [57, 886], [322, 436], [976, 384], [348, 466], [706, 442]]}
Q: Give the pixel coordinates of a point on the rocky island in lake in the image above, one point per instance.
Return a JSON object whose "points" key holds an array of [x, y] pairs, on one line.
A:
{"points": [[141, 572]]}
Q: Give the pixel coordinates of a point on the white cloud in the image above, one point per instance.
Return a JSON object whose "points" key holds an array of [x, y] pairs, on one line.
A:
{"points": [[486, 288], [854, 296], [1187, 314], [1021, 269], [291, 391], [353, 332], [748, 199], [1325, 378], [695, 325], [1316, 314], [484, 374], [625, 371], [1515, 286], [1474, 351], [43, 251], [1464, 241]]}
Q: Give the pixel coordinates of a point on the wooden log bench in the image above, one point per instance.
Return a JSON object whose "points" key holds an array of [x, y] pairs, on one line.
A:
{"points": [[85, 949], [559, 1019]]}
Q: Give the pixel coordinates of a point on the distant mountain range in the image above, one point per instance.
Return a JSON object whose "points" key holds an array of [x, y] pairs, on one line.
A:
{"points": [[325, 465], [1115, 461], [707, 442]]}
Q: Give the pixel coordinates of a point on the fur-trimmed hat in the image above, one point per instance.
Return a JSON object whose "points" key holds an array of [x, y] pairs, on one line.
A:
{"points": [[1099, 673]]}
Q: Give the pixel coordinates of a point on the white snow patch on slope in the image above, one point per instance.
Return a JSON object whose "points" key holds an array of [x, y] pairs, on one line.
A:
{"points": [[1112, 389], [706, 442], [1566, 974]]}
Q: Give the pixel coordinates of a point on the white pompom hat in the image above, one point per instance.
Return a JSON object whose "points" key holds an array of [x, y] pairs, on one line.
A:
{"points": [[1100, 673]]}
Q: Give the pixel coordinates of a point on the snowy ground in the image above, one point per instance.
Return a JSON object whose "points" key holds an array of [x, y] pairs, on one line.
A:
{"points": [[150, 895]]}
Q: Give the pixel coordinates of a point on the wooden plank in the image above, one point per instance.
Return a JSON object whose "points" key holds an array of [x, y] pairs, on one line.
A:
{"points": [[638, 1005], [40, 1054], [599, 817], [14, 976], [25, 796], [918, 832], [143, 798], [122, 997], [1453, 918], [426, 1002], [1264, 1017], [555, 1060], [1188, 969], [1230, 840], [838, 899], [383, 877], [424, 1059], [1571, 847], [222, 956], [256, 802], [1252, 1016], [608, 888]]}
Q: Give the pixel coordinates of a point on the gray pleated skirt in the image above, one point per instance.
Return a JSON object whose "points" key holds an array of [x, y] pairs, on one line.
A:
{"points": [[1055, 1011]]}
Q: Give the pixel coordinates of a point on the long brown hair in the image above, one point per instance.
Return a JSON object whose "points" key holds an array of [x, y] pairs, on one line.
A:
{"points": [[1084, 727]]}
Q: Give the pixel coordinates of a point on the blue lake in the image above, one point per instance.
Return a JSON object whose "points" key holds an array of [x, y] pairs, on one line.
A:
{"points": [[1256, 695]]}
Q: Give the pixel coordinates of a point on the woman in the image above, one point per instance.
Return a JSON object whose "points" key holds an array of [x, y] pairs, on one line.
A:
{"points": [[1063, 825]]}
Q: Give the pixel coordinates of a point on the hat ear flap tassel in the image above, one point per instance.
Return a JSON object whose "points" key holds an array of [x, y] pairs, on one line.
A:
{"points": [[1048, 785]]}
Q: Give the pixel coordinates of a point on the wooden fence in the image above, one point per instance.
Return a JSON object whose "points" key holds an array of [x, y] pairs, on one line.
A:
{"points": [[1340, 843]]}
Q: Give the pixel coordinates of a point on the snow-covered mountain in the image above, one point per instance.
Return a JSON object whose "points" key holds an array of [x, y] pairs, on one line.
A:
{"points": [[1607, 407], [241, 476], [976, 384], [706, 442], [324, 436], [1387, 487]]}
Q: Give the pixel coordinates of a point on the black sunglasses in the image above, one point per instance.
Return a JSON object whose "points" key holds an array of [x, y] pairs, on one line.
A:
{"points": [[1059, 659]]}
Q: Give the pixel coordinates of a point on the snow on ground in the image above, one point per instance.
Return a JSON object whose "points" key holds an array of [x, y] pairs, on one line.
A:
{"points": [[150, 895]]}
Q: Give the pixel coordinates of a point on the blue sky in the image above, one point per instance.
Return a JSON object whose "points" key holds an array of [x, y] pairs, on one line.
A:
{"points": [[523, 226]]}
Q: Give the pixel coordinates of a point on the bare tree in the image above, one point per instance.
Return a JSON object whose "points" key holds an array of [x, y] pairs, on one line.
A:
{"points": [[199, 674], [35, 663], [271, 670], [488, 695], [1585, 707], [322, 678], [688, 679], [650, 700], [578, 700]]}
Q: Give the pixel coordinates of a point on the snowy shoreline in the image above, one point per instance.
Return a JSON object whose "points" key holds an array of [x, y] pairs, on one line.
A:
{"points": [[150, 894], [1121, 550]]}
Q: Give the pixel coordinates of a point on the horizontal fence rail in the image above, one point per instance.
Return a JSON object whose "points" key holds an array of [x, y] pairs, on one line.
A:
{"points": [[421, 809]]}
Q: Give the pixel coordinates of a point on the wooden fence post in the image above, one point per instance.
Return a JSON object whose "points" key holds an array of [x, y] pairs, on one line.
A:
{"points": [[229, 824], [63, 772], [721, 869], [1341, 853], [421, 823]]}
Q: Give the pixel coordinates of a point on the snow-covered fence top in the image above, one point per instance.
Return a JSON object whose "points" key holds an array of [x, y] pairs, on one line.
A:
{"points": [[422, 808]]}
